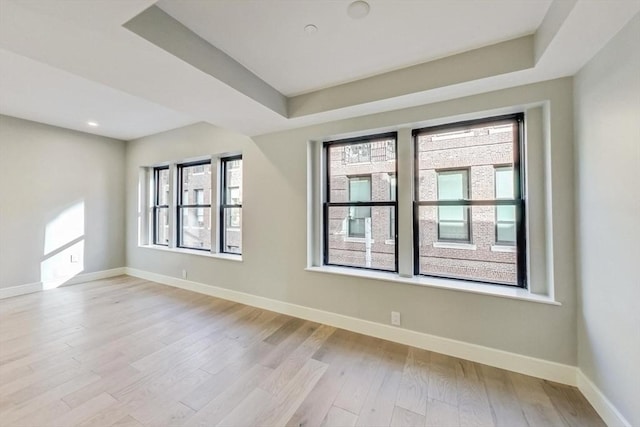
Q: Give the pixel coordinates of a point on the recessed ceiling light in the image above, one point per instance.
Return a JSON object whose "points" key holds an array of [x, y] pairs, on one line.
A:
{"points": [[358, 9], [310, 29], [92, 124]]}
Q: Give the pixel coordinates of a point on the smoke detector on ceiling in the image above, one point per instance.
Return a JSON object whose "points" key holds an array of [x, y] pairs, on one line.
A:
{"points": [[358, 9]]}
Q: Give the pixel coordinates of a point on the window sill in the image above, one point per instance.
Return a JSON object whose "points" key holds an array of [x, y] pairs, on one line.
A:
{"points": [[504, 248], [453, 245], [357, 240], [230, 257], [450, 284]]}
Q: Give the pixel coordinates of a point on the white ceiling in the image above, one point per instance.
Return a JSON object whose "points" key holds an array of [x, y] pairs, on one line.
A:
{"points": [[268, 37], [66, 62], [69, 101]]}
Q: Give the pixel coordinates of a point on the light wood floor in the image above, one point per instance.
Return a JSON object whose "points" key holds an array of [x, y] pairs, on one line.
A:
{"points": [[129, 352]]}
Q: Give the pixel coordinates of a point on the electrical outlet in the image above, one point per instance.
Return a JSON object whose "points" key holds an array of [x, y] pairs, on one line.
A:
{"points": [[395, 318], [184, 274]]}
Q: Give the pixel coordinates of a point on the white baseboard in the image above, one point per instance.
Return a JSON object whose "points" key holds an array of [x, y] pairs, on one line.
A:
{"points": [[96, 275], [79, 278], [14, 291], [540, 368], [603, 406]]}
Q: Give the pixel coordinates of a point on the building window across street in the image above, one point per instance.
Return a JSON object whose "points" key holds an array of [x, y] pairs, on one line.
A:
{"points": [[453, 221]]}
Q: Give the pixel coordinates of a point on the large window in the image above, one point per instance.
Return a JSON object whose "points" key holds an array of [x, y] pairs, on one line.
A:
{"points": [[194, 205], [231, 206], [161, 206], [469, 205], [359, 204]]}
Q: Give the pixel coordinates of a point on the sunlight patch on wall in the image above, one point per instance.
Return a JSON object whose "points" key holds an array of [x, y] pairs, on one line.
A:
{"points": [[63, 247]]}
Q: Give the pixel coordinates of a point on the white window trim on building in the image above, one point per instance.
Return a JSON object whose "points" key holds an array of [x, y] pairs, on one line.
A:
{"points": [[539, 230]]}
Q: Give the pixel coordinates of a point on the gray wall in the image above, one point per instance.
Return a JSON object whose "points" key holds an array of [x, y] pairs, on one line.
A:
{"points": [[50, 178], [607, 124], [275, 221]]}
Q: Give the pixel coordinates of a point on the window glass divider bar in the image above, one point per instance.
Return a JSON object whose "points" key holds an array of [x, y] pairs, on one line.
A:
{"points": [[462, 202], [367, 138], [362, 204]]}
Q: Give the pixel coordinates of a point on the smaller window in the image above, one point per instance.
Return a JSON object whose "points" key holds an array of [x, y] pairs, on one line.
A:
{"points": [[359, 191], [194, 205], [505, 215], [231, 206], [453, 221], [392, 212], [161, 206]]}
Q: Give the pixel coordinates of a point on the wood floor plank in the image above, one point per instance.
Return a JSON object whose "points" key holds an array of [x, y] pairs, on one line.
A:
{"points": [[334, 352], [356, 387], [229, 398], [286, 402], [406, 418], [19, 410], [128, 352], [231, 375], [290, 366], [339, 417], [44, 414], [84, 411], [442, 379], [536, 405], [441, 414], [504, 402], [474, 408], [414, 386], [570, 405], [377, 410]]}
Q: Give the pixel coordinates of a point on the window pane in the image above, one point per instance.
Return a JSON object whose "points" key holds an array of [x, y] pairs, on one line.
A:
{"points": [[162, 186], [506, 225], [376, 251], [506, 233], [392, 211], [195, 228], [504, 183], [233, 182], [196, 179], [232, 239], [452, 185], [359, 189], [478, 151], [162, 226], [353, 179], [453, 223], [472, 261]]}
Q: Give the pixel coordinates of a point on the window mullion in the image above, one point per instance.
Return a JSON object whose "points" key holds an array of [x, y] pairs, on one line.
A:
{"points": [[173, 182], [404, 194]]}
